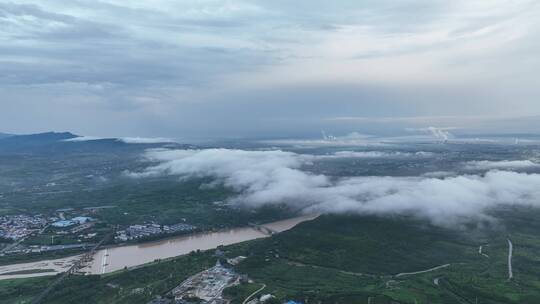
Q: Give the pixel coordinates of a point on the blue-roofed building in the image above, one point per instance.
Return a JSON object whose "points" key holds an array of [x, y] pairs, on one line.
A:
{"points": [[81, 219], [63, 223], [293, 302]]}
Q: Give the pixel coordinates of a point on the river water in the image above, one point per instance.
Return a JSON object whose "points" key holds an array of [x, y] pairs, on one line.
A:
{"points": [[116, 258]]}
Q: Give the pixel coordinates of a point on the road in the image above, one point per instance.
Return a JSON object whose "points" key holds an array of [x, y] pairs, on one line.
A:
{"points": [[422, 271], [367, 274], [359, 274], [481, 252], [254, 293], [510, 249]]}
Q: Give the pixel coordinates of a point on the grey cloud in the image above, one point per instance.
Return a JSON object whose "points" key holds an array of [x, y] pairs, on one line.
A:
{"points": [[50, 26], [12, 9], [214, 68], [99, 51]]}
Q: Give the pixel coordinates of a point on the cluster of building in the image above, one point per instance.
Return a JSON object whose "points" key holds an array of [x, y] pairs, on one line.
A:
{"points": [[20, 227], [16, 227], [207, 287], [81, 227], [139, 231], [71, 222]]}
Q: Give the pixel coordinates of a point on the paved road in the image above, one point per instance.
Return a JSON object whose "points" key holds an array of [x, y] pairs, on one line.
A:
{"points": [[481, 252], [510, 249], [422, 271], [333, 269], [254, 293], [369, 275]]}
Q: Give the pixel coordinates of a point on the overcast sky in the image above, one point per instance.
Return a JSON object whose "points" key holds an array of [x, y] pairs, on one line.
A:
{"points": [[210, 68]]}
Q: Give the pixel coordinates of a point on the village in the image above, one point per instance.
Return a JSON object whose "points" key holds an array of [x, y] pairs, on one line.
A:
{"points": [[151, 229], [75, 230]]}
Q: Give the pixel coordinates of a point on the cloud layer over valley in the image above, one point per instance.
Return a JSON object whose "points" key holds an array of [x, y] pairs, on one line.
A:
{"points": [[276, 177]]}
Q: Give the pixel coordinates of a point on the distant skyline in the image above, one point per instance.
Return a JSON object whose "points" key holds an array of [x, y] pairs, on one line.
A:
{"points": [[210, 69]]}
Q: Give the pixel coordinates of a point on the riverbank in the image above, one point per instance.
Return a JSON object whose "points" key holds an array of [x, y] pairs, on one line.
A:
{"points": [[112, 259]]}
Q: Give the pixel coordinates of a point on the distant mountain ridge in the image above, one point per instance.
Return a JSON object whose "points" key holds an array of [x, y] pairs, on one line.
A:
{"points": [[59, 142], [31, 142], [4, 135], [46, 136]]}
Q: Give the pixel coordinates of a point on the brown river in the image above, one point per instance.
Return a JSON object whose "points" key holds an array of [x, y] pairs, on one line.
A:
{"points": [[116, 258]]}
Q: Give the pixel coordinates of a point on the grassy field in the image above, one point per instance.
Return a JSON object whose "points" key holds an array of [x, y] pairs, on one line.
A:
{"points": [[22, 291]]}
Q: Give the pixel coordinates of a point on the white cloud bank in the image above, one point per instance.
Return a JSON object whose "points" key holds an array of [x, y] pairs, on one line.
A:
{"points": [[83, 138], [351, 139], [145, 140], [274, 177], [503, 165], [375, 154]]}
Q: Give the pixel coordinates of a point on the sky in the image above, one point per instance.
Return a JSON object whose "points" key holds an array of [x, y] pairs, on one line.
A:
{"points": [[211, 69]]}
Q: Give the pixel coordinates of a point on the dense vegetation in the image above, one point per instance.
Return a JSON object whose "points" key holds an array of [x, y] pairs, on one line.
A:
{"points": [[22, 290], [348, 259], [371, 245], [298, 265]]}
